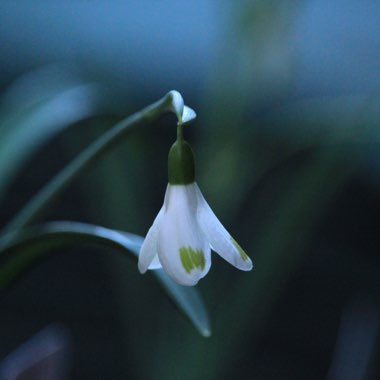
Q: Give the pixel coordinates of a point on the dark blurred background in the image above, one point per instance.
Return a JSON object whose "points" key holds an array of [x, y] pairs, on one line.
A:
{"points": [[287, 154]]}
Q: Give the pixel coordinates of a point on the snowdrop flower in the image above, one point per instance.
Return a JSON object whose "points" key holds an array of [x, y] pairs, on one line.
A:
{"points": [[186, 229]]}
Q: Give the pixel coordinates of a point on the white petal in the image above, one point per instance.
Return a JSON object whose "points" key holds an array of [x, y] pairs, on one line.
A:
{"points": [[219, 238], [148, 258], [182, 248]]}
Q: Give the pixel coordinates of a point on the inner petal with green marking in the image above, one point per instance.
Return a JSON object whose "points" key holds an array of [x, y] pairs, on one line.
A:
{"points": [[192, 259]]}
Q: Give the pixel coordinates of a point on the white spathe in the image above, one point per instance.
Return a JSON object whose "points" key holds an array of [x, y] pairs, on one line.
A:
{"points": [[182, 235]]}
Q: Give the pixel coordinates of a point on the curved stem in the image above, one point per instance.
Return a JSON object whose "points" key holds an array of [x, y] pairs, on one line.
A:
{"points": [[76, 167]]}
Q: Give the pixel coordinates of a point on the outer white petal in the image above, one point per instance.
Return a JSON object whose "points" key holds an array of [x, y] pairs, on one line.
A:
{"points": [[219, 238], [179, 231], [148, 258]]}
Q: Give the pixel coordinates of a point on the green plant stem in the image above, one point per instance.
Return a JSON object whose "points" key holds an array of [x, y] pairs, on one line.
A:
{"points": [[74, 169]]}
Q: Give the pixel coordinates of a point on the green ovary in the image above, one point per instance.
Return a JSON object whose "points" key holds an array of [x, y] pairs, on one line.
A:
{"points": [[242, 254], [192, 259]]}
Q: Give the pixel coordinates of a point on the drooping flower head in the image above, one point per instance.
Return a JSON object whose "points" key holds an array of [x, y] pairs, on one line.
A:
{"points": [[186, 229]]}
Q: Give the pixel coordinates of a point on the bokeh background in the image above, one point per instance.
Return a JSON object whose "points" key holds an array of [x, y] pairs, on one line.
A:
{"points": [[287, 154]]}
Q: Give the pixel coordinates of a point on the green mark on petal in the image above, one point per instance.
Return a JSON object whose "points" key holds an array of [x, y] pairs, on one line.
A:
{"points": [[242, 254], [191, 258]]}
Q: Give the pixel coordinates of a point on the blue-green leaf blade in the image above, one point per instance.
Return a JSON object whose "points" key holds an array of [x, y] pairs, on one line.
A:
{"points": [[27, 124], [27, 248]]}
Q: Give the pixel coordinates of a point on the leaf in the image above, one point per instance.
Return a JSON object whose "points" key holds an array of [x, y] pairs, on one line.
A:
{"points": [[28, 248], [26, 126]]}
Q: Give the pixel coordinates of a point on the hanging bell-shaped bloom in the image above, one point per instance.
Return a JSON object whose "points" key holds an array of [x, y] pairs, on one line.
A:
{"points": [[186, 229]]}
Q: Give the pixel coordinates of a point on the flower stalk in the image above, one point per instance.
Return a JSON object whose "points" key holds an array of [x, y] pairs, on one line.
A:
{"points": [[171, 102]]}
